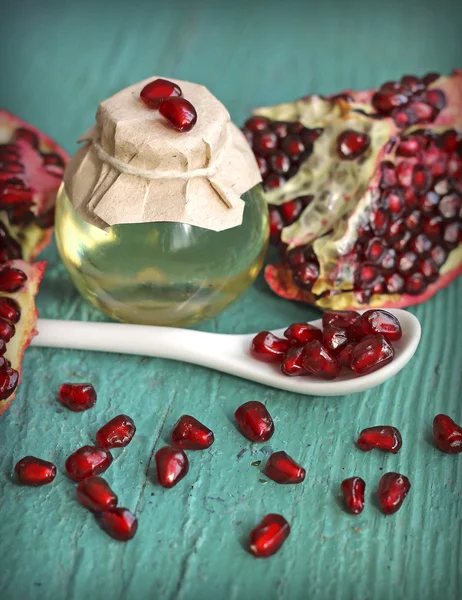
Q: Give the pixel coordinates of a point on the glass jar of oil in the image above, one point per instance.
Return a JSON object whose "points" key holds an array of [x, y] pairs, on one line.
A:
{"points": [[162, 273]]}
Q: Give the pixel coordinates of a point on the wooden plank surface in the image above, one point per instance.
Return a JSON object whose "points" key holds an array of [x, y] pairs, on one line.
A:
{"points": [[58, 60]]}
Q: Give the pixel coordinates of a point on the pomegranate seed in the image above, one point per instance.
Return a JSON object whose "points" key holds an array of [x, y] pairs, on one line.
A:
{"points": [[155, 92], [276, 224], [262, 165], [290, 211], [395, 232], [379, 221], [117, 433], [10, 310], [367, 276], [353, 490], [420, 244], [447, 434], [429, 78], [371, 354], [432, 227], [119, 523], [393, 489], [306, 275], [292, 362], [77, 396], [87, 461], [172, 465], [7, 330], [383, 437], [424, 112], [255, 421], [334, 339], [280, 162], [52, 160], [179, 112], [318, 361], [449, 206], [8, 382], [96, 495], [280, 129], [394, 283], [268, 348], [406, 262], [273, 181], [293, 146], [435, 98], [35, 471], [376, 322], [265, 143], [415, 284], [429, 269], [351, 144], [11, 279], [302, 333], [388, 178], [412, 84], [339, 318], [2, 348], [385, 101], [257, 124], [404, 175], [190, 434], [389, 260], [421, 179], [268, 536], [439, 255], [281, 468], [344, 357]]}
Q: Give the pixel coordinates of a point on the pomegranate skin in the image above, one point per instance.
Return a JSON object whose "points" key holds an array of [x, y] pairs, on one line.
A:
{"points": [[318, 361], [371, 354], [190, 434], [393, 489], [255, 421], [34, 471], [383, 437], [172, 465], [120, 523], [77, 396], [447, 434], [378, 322], [87, 461], [282, 468], [155, 92], [116, 433], [268, 536], [95, 494], [268, 347], [353, 490]]}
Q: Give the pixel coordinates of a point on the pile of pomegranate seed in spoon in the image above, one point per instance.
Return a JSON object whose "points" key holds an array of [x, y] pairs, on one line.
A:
{"points": [[360, 343]]}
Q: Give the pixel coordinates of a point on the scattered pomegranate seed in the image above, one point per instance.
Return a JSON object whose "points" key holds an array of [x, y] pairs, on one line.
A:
{"points": [[172, 465], [87, 461], [11, 279], [353, 490], [255, 421], [155, 92], [371, 354], [117, 433], [302, 333], [119, 523], [376, 322], [282, 468], [339, 318], [77, 396], [268, 536], [35, 471], [393, 489], [352, 144], [268, 348], [292, 362], [447, 434], [96, 495], [180, 113], [190, 434], [318, 361], [383, 437]]}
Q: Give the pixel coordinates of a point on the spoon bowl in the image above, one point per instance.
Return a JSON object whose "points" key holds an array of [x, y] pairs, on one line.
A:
{"points": [[222, 352]]}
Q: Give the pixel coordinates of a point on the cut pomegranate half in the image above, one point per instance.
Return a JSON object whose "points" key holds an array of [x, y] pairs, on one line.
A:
{"points": [[28, 186], [370, 195]]}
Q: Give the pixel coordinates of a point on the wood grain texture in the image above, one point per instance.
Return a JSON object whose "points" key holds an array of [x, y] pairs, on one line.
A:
{"points": [[58, 60]]}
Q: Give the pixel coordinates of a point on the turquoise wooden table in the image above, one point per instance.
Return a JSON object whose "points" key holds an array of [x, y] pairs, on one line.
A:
{"points": [[58, 60]]}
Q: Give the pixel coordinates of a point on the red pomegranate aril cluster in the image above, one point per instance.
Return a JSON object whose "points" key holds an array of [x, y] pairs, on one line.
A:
{"points": [[77, 396], [167, 97], [268, 536], [383, 437], [282, 468], [255, 421], [87, 461], [353, 490], [447, 434], [117, 433], [35, 471], [361, 343]]}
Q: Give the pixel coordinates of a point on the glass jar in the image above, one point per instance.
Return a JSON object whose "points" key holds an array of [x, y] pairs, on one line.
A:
{"points": [[162, 273]]}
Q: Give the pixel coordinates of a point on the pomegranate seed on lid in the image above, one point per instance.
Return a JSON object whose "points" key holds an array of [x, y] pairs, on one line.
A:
{"points": [[447, 434], [119, 523], [393, 489], [155, 92], [179, 112], [95, 494], [265, 143], [255, 421], [35, 471], [190, 434], [268, 536], [77, 396], [117, 433], [353, 490], [172, 465], [282, 468], [383, 437]]}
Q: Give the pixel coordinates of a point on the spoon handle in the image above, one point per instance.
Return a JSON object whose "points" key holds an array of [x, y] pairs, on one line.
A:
{"points": [[191, 346]]}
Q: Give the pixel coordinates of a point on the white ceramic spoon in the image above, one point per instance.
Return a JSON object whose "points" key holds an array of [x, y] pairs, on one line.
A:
{"points": [[223, 352]]}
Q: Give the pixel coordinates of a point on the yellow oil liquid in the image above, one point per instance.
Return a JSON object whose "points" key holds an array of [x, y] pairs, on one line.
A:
{"points": [[162, 273]]}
